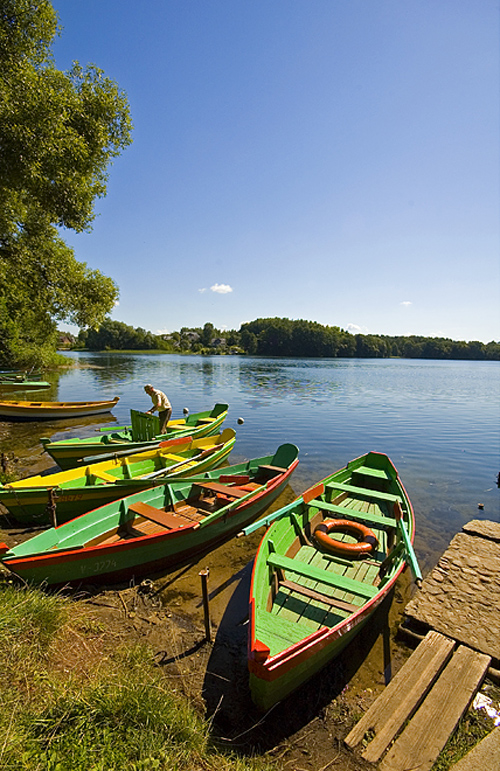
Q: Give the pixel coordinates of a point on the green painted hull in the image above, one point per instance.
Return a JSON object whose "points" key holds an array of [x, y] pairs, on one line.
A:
{"points": [[307, 599], [90, 548], [22, 385], [68, 453], [77, 491]]}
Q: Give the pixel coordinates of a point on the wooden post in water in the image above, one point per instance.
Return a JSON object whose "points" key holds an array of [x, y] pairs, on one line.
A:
{"points": [[204, 588]]}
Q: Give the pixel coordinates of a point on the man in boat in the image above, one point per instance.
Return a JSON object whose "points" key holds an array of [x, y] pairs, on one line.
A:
{"points": [[160, 403]]}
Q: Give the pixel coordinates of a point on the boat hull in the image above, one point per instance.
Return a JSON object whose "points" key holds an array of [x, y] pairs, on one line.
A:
{"points": [[23, 385], [54, 565], [68, 453], [307, 602], [53, 410]]}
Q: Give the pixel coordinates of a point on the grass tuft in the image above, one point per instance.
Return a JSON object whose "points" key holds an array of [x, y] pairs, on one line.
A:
{"points": [[118, 713]]}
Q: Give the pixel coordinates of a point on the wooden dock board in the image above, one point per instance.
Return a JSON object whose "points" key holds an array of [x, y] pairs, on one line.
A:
{"points": [[403, 695], [428, 731]]}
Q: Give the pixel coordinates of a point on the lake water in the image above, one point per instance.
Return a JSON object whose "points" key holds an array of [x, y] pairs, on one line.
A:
{"points": [[437, 420]]}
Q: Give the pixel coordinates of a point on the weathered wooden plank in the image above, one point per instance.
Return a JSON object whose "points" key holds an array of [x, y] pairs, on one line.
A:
{"points": [[402, 696], [428, 731]]}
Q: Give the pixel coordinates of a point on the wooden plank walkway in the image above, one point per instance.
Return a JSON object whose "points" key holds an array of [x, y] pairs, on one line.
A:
{"points": [[433, 689], [403, 695], [459, 608]]}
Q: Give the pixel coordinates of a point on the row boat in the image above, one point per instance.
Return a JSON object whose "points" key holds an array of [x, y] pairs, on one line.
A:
{"points": [[156, 528], [53, 410], [20, 383], [64, 495], [311, 593], [143, 433]]}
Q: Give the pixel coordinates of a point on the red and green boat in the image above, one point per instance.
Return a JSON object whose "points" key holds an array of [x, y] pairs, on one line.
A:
{"points": [[142, 434], [156, 528], [58, 497], [324, 565]]}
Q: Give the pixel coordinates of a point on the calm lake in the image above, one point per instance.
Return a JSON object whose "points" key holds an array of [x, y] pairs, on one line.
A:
{"points": [[437, 420]]}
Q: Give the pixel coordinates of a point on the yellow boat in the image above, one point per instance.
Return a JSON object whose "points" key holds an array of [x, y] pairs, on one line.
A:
{"points": [[53, 410], [56, 498]]}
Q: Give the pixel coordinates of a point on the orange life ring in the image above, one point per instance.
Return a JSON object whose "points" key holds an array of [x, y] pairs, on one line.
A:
{"points": [[367, 540]]}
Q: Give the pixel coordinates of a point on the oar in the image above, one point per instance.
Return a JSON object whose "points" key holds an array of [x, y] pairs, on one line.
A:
{"points": [[238, 501], [112, 428], [119, 453], [167, 470], [410, 552], [143, 448], [266, 521], [306, 497]]}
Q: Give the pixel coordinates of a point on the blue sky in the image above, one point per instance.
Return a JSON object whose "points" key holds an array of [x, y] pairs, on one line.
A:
{"points": [[331, 160]]}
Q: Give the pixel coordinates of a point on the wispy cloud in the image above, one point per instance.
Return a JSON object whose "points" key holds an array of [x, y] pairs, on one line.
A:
{"points": [[202, 290], [406, 303], [221, 288], [354, 329]]}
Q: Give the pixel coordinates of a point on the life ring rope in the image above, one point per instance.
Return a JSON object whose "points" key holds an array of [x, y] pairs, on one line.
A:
{"points": [[366, 540]]}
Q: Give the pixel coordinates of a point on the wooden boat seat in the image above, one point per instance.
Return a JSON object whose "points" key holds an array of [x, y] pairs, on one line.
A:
{"points": [[104, 476], [346, 513], [164, 518], [352, 490], [375, 473], [201, 421], [275, 560], [216, 487]]}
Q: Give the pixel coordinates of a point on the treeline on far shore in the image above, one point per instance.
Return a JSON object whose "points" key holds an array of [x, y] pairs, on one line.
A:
{"points": [[278, 337]]}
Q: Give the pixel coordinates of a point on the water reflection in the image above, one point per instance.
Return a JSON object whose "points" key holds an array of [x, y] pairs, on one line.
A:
{"points": [[437, 421]]}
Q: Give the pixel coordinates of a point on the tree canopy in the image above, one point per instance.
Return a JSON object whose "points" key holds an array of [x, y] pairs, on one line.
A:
{"points": [[285, 337], [59, 131]]}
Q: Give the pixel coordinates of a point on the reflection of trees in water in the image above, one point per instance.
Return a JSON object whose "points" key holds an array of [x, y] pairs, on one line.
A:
{"points": [[103, 369], [275, 380]]}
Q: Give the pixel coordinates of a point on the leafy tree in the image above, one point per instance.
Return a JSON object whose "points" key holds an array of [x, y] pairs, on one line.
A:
{"points": [[58, 133], [208, 333], [115, 335]]}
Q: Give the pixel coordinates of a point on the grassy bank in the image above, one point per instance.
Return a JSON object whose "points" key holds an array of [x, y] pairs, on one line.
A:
{"points": [[71, 701]]}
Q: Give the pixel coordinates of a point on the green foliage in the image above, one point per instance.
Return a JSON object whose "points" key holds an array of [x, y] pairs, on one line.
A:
{"points": [[473, 727], [284, 337], [58, 133], [115, 335]]}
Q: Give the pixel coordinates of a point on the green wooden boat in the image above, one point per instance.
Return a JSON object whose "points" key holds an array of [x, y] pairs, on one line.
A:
{"points": [[56, 498], [156, 528], [324, 565], [143, 433], [21, 383]]}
